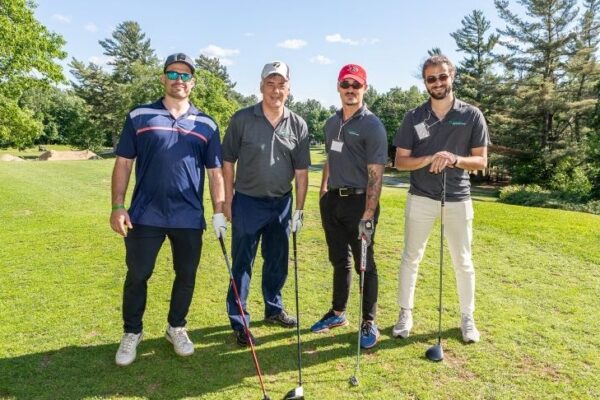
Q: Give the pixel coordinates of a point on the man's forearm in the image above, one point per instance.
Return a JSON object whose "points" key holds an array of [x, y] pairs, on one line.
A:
{"points": [[301, 178], [409, 163], [217, 189], [228, 178], [120, 179], [375, 181]]}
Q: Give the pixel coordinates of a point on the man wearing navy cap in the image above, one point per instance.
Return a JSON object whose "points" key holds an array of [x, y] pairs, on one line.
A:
{"points": [[269, 147], [173, 146], [356, 145]]}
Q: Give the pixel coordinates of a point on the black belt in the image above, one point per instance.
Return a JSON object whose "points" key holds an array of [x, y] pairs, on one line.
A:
{"points": [[347, 191]]}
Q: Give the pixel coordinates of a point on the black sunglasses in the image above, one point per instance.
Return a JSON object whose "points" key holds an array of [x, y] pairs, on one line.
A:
{"points": [[347, 84], [434, 78]]}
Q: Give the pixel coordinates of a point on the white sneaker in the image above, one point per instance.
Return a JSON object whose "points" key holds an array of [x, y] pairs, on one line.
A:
{"points": [[127, 349], [470, 333], [181, 342], [404, 324]]}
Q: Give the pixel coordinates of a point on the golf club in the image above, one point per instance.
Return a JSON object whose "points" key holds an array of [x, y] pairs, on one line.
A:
{"points": [[435, 352], [298, 392], [242, 314], [363, 267]]}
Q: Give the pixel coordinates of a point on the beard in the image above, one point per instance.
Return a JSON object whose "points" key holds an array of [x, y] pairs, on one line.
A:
{"points": [[440, 96]]}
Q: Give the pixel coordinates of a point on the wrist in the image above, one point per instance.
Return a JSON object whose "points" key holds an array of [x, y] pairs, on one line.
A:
{"points": [[455, 163], [116, 207]]}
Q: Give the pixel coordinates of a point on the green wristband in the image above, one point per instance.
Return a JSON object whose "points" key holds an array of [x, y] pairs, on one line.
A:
{"points": [[118, 207]]}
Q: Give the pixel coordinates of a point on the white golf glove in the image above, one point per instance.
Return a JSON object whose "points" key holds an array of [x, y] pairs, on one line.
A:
{"points": [[297, 219], [220, 225]]}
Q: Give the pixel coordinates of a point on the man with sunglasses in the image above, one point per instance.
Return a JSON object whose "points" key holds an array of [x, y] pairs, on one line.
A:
{"points": [[443, 134], [356, 145], [172, 143], [269, 147]]}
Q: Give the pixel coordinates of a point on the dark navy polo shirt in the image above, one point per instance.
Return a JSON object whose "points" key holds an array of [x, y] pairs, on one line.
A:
{"points": [[171, 155], [462, 129], [364, 142], [266, 157]]}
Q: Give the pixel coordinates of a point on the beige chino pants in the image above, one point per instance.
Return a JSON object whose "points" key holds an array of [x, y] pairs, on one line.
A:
{"points": [[419, 216]]}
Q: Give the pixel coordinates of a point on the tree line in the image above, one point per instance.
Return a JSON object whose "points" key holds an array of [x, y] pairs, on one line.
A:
{"points": [[536, 79]]}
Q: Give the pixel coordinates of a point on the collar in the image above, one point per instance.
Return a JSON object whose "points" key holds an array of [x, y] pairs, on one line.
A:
{"points": [[258, 111], [456, 105], [361, 112], [191, 111]]}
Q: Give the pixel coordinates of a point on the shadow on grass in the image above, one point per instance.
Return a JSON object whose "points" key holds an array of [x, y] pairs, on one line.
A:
{"points": [[218, 365]]}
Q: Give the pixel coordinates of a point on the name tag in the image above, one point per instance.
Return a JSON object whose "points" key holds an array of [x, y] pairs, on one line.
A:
{"points": [[422, 131], [337, 146]]}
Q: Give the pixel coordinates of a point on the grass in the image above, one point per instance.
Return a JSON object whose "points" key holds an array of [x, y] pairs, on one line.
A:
{"points": [[62, 272]]}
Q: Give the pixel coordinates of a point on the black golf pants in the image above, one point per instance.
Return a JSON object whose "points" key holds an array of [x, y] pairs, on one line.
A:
{"points": [[142, 245], [340, 216]]}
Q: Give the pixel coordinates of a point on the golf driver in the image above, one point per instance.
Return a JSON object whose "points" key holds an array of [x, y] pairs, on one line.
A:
{"points": [[298, 392], [435, 352], [242, 314], [363, 267]]}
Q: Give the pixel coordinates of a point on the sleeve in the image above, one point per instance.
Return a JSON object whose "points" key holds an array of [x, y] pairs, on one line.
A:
{"points": [[127, 146], [405, 135], [214, 152], [232, 141], [376, 144], [301, 155], [480, 136]]}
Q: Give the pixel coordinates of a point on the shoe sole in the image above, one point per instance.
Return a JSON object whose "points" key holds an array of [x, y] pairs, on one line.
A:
{"points": [[168, 337], [327, 329]]}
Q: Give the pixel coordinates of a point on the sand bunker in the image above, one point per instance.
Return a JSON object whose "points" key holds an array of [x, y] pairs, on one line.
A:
{"points": [[8, 157], [54, 155]]}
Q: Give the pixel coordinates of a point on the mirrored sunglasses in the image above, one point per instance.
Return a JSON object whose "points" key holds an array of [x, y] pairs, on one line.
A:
{"points": [[173, 75]]}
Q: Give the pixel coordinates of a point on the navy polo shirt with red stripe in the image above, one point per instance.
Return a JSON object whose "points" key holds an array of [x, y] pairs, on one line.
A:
{"points": [[171, 156]]}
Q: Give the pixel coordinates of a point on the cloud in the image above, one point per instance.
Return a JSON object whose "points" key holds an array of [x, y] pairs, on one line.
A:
{"points": [[221, 53], [293, 44], [337, 38], [320, 60], [91, 27], [62, 18]]}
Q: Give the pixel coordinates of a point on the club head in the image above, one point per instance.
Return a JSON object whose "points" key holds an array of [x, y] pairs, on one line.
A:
{"points": [[266, 397], [354, 380], [435, 353], [295, 394]]}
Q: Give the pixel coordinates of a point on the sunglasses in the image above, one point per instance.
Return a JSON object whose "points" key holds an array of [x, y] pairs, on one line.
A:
{"points": [[173, 75], [434, 78], [346, 85]]}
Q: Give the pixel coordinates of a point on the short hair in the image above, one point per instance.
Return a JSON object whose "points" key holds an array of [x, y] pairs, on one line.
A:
{"points": [[435, 60]]}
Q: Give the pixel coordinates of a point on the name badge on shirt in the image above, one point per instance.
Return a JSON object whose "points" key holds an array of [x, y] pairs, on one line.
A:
{"points": [[337, 146], [422, 131]]}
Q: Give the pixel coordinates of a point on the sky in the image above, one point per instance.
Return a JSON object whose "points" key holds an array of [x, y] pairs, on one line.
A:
{"points": [[389, 38]]}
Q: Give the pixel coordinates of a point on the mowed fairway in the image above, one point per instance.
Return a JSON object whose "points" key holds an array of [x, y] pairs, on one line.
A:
{"points": [[62, 271]]}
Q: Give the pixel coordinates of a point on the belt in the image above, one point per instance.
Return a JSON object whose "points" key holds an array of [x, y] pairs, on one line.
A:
{"points": [[347, 191]]}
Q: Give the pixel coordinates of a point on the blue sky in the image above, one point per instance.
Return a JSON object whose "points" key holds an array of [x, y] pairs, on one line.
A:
{"points": [[316, 38]]}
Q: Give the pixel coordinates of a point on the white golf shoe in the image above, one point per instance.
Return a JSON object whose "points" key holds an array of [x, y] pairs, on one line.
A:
{"points": [[404, 324], [469, 331], [179, 338], [127, 349]]}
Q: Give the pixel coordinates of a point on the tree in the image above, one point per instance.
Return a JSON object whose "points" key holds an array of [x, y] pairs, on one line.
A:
{"points": [[210, 96], [127, 47], [214, 66], [27, 59], [315, 116]]}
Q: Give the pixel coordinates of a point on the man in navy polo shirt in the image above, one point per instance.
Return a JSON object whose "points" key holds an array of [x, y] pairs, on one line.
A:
{"points": [[270, 145], [172, 143], [443, 134], [356, 145]]}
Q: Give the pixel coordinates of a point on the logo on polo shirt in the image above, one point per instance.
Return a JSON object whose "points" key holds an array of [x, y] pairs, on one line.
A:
{"points": [[353, 132], [455, 122], [283, 133]]}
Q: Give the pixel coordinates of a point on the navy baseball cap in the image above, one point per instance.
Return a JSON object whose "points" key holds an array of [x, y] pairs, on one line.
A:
{"points": [[179, 58]]}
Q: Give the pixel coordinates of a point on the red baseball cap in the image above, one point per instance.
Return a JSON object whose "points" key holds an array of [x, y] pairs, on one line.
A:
{"points": [[353, 71]]}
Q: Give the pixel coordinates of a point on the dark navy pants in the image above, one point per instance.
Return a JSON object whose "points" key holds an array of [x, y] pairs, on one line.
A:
{"points": [[254, 219], [142, 245]]}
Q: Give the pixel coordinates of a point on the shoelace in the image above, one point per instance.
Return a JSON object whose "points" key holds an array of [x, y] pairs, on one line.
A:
{"points": [[365, 329], [129, 342], [468, 323], [180, 336]]}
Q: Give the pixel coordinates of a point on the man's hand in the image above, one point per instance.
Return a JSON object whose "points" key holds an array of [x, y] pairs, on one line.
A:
{"points": [[297, 220], [220, 225], [365, 230], [441, 160], [120, 222]]}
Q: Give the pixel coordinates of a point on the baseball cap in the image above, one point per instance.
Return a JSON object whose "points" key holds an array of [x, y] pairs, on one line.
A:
{"points": [[276, 67], [179, 58], [353, 71]]}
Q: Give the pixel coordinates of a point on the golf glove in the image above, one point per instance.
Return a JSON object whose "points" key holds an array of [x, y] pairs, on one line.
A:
{"points": [[365, 230], [297, 220], [219, 224]]}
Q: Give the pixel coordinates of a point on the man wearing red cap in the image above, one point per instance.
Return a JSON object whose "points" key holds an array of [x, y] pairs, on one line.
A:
{"points": [[356, 145]]}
